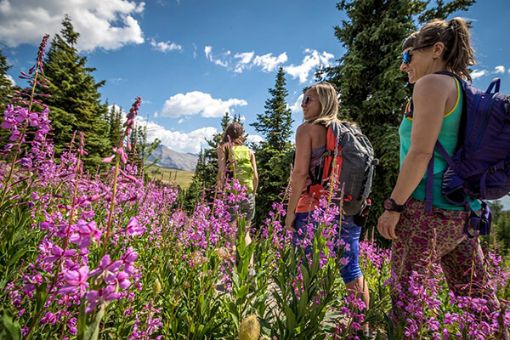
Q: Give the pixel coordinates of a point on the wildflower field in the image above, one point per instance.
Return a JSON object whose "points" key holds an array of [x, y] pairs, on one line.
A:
{"points": [[111, 255]]}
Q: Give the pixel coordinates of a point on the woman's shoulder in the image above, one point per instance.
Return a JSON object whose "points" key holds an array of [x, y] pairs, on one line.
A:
{"points": [[310, 127], [434, 80]]}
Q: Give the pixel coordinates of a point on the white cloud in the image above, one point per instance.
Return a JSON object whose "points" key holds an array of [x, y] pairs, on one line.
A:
{"points": [[198, 103], [239, 62], [11, 79], [478, 73], [245, 57], [312, 60], [165, 46], [254, 139], [192, 141], [101, 24], [268, 63], [296, 107], [499, 69], [217, 61], [207, 51]]}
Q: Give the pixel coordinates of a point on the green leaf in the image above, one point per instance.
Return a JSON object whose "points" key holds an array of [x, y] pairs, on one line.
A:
{"points": [[13, 328], [92, 331]]}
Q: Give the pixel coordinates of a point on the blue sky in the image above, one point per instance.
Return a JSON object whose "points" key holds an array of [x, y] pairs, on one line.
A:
{"points": [[192, 60]]}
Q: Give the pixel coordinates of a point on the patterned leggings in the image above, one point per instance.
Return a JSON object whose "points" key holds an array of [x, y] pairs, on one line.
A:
{"points": [[438, 238]]}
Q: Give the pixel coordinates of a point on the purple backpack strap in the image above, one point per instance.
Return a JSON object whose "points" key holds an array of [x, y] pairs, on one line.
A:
{"points": [[429, 185]]}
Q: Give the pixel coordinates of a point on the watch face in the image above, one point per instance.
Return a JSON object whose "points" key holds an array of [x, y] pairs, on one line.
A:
{"points": [[388, 204]]}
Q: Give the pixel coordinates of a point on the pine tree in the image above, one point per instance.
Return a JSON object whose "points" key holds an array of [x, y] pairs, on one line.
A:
{"points": [[276, 121], [203, 182], [373, 90], [6, 88], [114, 119], [75, 101], [274, 154]]}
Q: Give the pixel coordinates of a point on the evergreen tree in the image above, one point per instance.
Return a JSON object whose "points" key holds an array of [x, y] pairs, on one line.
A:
{"points": [[6, 88], [114, 119], [373, 90], [276, 121], [74, 97], [274, 154], [203, 183]]}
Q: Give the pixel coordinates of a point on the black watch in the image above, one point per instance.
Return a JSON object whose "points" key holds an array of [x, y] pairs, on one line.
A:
{"points": [[391, 205]]}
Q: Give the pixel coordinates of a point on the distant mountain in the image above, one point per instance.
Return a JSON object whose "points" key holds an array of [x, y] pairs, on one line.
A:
{"points": [[168, 158]]}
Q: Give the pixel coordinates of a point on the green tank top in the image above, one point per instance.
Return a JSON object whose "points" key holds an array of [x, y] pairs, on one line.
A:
{"points": [[241, 165], [448, 137]]}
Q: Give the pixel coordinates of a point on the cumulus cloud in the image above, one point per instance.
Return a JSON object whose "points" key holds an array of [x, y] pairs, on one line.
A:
{"points": [[311, 61], [266, 62], [478, 73], [254, 139], [198, 103], [165, 46], [296, 107], [499, 69], [191, 142], [241, 61], [11, 79], [101, 24]]}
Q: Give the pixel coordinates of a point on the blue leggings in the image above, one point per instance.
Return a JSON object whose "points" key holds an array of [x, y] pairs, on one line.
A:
{"points": [[349, 234]]}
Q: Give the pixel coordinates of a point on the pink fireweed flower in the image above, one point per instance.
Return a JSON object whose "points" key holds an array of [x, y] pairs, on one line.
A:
{"points": [[49, 318], [108, 159], [84, 233], [76, 281], [56, 253], [134, 228], [40, 53], [121, 279], [133, 112], [107, 266]]}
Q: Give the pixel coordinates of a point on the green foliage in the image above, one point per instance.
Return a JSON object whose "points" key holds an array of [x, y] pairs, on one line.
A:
{"points": [[274, 154], [6, 88], [204, 181], [74, 99], [372, 88], [500, 230], [303, 303]]}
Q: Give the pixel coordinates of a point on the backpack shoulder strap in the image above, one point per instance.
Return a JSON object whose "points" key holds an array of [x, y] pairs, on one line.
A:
{"points": [[332, 136]]}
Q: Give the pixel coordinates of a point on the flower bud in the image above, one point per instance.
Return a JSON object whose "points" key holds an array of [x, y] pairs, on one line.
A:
{"points": [[156, 287], [249, 328]]}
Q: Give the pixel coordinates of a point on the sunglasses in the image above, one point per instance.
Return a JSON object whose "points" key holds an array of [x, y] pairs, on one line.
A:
{"points": [[306, 100], [407, 56]]}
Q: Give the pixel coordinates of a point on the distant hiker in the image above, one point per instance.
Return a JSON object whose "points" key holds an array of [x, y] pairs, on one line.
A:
{"points": [[237, 161], [424, 226], [320, 109]]}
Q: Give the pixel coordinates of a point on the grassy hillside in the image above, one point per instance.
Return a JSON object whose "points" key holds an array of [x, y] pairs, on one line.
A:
{"points": [[171, 176]]}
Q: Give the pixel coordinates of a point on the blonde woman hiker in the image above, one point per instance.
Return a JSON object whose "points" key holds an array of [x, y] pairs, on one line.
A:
{"points": [[320, 108]]}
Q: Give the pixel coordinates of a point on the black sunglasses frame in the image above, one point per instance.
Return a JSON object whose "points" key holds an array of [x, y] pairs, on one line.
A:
{"points": [[407, 56]]}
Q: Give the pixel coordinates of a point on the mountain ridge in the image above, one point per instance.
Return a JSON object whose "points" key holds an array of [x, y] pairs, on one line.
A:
{"points": [[168, 158]]}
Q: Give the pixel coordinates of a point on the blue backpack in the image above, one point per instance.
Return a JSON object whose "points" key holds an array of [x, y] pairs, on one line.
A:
{"points": [[480, 166]]}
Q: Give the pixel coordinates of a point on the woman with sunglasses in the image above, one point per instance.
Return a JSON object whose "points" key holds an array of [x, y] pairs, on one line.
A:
{"points": [[434, 113], [320, 109]]}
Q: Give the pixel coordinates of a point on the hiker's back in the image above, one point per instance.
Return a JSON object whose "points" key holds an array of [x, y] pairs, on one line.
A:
{"points": [[240, 165]]}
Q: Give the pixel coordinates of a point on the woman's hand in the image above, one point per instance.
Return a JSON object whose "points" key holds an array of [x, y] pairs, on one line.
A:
{"points": [[289, 220], [387, 223]]}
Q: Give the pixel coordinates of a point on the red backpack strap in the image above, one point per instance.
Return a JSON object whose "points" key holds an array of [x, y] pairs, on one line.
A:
{"points": [[333, 149]]}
